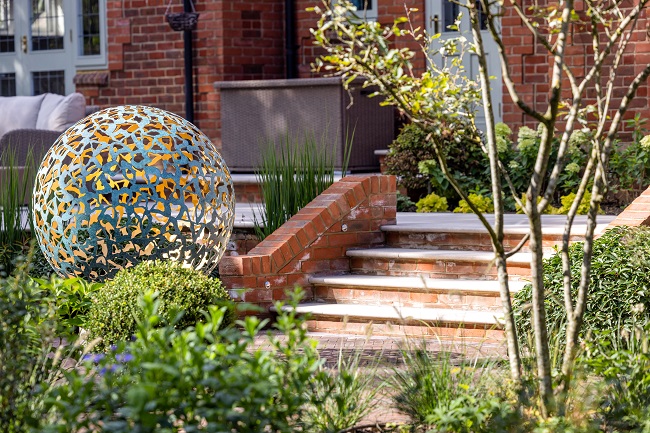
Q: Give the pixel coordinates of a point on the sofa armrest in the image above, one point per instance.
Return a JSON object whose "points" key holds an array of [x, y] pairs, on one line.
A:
{"points": [[21, 141]]}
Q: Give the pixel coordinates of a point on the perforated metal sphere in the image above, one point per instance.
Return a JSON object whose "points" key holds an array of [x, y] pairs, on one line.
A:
{"points": [[132, 183]]}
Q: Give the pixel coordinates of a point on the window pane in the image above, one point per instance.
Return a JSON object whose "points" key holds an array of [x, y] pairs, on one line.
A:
{"points": [[8, 84], [47, 25], [450, 13], [7, 41], [90, 40], [49, 82], [362, 5]]}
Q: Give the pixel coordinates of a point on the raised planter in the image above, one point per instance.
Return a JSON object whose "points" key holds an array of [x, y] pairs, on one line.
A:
{"points": [[254, 113]]}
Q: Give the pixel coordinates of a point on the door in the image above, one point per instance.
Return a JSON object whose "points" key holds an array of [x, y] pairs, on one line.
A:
{"points": [[441, 14], [36, 49]]}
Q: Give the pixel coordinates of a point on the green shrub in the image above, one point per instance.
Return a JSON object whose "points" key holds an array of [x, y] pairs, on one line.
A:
{"points": [[413, 160], [549, 210], [622, 361], [404, 203], [113, 313], [405, 153], [567, 202], [73, 299], [432, 203], [619, 281], [484, 204], [204, 378], [29, 364]]}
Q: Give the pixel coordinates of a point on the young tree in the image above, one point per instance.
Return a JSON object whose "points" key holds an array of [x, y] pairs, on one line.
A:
{"points": [[442, 99]]}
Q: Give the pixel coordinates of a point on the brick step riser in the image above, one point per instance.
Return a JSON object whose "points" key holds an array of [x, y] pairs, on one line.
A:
{"points": [[409, 298], [438, 269], [447, 332], [466, 241]]}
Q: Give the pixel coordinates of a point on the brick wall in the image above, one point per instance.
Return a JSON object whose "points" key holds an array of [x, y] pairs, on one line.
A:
{"points": [[233, 41], [531, 67], [238, 40], [388, 10], [348, 214]]}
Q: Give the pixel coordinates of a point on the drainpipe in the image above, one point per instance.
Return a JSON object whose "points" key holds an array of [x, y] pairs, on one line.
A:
{"points": [[189, 67], [289, 38]]}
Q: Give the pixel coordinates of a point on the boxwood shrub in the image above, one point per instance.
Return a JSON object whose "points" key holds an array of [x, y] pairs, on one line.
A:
{"points": [[113, 313], [619, 293]]}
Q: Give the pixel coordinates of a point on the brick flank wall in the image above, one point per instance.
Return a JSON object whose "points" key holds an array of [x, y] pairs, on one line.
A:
{"points": [[348, 214], [636, 214]]}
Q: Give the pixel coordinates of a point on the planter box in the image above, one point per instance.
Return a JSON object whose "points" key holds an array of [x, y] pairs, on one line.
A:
{"points": [[255, 113]]}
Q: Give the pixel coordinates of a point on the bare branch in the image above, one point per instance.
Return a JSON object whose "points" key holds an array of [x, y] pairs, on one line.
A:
{"points": [[505, 71]]}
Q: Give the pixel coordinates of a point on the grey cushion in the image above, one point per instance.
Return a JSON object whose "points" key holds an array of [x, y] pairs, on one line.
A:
{"points": [[19, 112], [58, 113]]}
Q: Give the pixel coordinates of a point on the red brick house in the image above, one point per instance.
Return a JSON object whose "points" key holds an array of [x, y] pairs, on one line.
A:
{"points": [[124, 52]]}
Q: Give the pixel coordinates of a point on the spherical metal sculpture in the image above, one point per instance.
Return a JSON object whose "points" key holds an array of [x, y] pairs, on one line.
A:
{"points": [[128, 184]]}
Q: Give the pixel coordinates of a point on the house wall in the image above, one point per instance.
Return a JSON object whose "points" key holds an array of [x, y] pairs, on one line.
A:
{"points": [[240, 40], [234, 40], [531, 66]]}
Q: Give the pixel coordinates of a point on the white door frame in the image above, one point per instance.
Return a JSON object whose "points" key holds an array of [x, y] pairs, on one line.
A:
{"points": [[435, 20]]}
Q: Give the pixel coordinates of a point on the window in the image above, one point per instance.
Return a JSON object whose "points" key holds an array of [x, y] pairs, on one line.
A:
{"points": [[8, 84], [48, 82], [366, 8], [7, 44], [91, 31], [47, 22]]}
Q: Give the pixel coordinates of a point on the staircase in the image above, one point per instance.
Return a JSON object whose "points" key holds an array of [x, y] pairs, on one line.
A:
{"points": [[433, 277]]}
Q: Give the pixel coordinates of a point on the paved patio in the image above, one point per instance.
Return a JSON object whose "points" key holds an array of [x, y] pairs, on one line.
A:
{"points": [[443, 221]]}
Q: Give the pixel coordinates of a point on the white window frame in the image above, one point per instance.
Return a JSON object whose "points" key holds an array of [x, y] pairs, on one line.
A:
{"points": [[97, 61], [370, 14]]}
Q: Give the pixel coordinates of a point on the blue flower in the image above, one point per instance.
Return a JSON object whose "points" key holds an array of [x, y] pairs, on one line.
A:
{"points": [[94, 357], [124, 357], [111, 368]]}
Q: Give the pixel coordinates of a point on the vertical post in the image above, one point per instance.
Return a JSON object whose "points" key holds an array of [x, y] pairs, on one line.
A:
{"points": [[289, 39], [189, 67]]}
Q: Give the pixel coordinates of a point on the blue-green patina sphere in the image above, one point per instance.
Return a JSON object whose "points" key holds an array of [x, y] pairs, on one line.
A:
{"points": [[132, 183]]}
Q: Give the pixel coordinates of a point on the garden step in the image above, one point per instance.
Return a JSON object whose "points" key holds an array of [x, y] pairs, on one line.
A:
{"points": [[396, 320], [480, 295], [465, 232], [448, 264]]}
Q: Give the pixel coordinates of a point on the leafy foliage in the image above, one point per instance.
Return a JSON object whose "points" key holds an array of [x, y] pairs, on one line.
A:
{"points": [[340, 398], [619, 282], [73, 297], [291, 175], [483, 204], [622, 361], [432, 203], [114, 310], [29, 364], [14, 216], [167, 380], [435, 392], [404, 203]]}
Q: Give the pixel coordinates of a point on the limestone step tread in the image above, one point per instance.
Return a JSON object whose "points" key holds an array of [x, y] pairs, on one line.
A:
{"points": [[387, 312], [414, 283], [435, 255], [468, 223]]}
